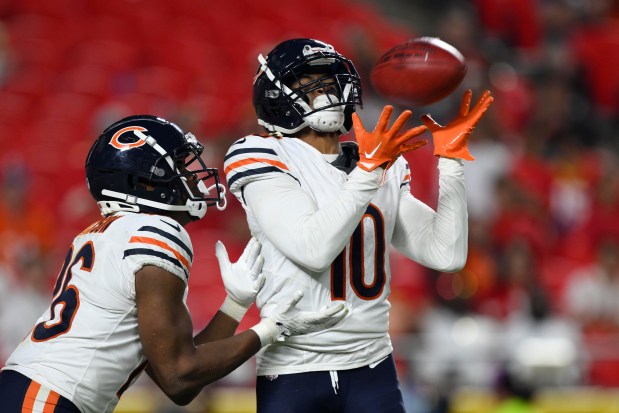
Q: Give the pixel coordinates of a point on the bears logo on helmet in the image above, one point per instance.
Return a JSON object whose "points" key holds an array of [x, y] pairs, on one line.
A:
{"points": [[123, 146], [144, 163]]}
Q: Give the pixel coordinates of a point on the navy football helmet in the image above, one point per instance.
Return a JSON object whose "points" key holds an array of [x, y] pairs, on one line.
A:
{"points": [[144, 163], [283, 105]]}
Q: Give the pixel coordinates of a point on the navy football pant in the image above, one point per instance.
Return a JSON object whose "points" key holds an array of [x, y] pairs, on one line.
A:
{"points": [[19, 394], [362, 390]]}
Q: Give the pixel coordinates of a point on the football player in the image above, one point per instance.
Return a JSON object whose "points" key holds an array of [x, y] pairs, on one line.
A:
{"points": [[118, 306], [326, 213]]}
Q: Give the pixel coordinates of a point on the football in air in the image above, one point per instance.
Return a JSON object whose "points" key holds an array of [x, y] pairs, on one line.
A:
{"points": [[418, 72]]}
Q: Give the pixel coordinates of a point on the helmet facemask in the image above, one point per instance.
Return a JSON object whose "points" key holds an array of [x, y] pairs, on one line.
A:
{"points": [[199, 184], [326, 111]]}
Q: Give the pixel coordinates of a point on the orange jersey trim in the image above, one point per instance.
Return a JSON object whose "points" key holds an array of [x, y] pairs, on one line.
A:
{"points": [[250, 161], [31, 396], [51, 402], [161, 244], [100, 226]]}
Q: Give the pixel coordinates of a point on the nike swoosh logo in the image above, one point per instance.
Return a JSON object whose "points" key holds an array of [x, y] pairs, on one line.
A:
{"points": [[369, 155], [455, 141], [367, 164], [176, 227], [240, 141]]}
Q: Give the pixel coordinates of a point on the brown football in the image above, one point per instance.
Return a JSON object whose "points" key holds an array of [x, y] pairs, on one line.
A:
{"points": [[418, 72]]}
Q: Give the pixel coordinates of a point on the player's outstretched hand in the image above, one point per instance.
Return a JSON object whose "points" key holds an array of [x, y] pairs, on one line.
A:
{"points": [[383, 145], [450, 141], [294, 322], [287, 320], [242, 279]]}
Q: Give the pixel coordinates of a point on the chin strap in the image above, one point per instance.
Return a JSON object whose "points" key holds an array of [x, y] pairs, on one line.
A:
{"points": [[131, 203], [193, 208], [330, 119], [109, 207]]}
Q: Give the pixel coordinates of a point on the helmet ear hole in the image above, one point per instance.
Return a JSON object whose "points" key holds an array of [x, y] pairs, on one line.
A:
{"points": [[132, 182]]}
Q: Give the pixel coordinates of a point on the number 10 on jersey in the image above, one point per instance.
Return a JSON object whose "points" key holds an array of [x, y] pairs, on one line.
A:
{"points": [[357, 249]]}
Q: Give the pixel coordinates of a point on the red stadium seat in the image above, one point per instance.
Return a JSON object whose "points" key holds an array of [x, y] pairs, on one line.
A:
{"points": [[12, 135], [30, 80], [55, 151], [108, 54], [87, 79], [161, 82], [75, 107], [65, 9], [132, 103], [15, 106], [32, 25], [44, 54]]}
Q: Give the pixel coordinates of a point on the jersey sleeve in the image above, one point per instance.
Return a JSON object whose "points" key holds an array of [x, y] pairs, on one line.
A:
{"points": [[435, 239], [252, 158], [403, 172], [162, 242], [307, 234]]}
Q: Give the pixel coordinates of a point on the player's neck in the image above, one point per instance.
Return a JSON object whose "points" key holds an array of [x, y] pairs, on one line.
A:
{"points": [[181, 217], [323, 142]]}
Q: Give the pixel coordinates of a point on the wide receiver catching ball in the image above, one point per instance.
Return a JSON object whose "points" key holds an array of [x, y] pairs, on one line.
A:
{"points": [[418, 72]]}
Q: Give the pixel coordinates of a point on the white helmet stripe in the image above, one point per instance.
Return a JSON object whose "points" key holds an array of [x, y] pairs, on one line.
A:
{"points": [[265, 68], [346, 92], [153, 142]]}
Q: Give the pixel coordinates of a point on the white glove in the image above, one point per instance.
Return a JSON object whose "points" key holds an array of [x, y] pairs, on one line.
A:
{"points": [[286, 320], [242, 280]]}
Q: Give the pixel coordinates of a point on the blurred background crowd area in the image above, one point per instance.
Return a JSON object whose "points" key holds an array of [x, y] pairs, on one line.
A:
{"points": [[530, 324]]}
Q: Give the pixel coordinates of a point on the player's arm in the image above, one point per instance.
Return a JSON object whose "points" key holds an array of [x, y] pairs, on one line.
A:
{"points": [[436, 239], [179, 366], [310, 236], [242, 281], [313, 236], [182, 365], [439, 239]]}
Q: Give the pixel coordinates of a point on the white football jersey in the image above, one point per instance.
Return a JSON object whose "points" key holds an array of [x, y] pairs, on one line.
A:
{"points": [[360, 275], [86, 346]]}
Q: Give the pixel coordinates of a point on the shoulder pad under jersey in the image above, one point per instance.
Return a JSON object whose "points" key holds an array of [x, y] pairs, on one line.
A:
{"points": [[160, 241], [252, 158]]}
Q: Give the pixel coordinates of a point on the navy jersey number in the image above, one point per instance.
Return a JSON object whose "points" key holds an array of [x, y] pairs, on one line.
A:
{"points": [[357, 249], [66, 298]]}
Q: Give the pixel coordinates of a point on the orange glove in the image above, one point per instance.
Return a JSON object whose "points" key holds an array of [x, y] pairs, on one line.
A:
{"points": [[382, 146], [450, 141]]}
